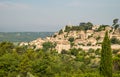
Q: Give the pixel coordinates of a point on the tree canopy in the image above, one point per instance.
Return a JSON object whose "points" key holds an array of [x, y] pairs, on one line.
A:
{"points": [[106, 57]]}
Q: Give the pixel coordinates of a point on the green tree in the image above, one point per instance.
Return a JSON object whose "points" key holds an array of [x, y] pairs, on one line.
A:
{"points": [[6, 47], [106, 57], [24, 66], [42, 67], [115, 40], [8, 65], [116, 26], [116, 63], [48, 46], [71, 39], [67, 28], [60, 32], [88, 26], [115, 23], [101, 28], [74, 51]]}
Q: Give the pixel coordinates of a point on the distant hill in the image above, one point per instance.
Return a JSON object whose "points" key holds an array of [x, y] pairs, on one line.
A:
{"points": [[23, 36]]}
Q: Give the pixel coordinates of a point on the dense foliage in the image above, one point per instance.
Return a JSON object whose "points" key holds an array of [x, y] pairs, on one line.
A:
{"points": [[24, 62], [115, 41], [102, 28], [84, 27], [106, 57]]}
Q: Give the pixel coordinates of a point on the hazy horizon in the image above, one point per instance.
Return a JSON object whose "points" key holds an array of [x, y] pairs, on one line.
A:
{"points": [[52, 15]]}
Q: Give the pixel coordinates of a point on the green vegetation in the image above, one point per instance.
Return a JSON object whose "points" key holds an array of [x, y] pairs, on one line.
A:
{"points": [[22, 61], [102, 28], [25, 62], [71, 40], [106, 57], [116, 62], [22, 36], [84, 27], [115, 23], [115, 41], [60, 32], [87, 26], [48, 46], [28, 61]]}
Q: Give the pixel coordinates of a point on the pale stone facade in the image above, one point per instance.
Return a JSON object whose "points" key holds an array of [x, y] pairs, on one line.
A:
{"points": [[81, 39]]}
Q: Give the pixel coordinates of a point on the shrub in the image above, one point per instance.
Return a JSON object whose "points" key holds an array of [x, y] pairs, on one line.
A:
{"points": [[97, 51], [115, 40], [64, 51], [89, 44]]}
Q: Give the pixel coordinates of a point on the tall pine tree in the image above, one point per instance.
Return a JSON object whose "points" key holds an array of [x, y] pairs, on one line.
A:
{"points": [[106, 57]]}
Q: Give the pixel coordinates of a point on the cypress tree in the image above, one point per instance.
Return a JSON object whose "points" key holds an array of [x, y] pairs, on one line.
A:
{"points": [[106, 57]]}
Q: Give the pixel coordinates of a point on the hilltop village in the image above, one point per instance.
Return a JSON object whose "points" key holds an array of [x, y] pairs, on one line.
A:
{"points": [[84, 35], [74, 51]]}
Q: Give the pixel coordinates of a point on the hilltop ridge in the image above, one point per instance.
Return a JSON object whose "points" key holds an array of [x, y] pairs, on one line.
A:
{"points": [[84, 35]]}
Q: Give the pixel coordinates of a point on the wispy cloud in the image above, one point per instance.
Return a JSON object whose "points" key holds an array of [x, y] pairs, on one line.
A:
{"points": [[11, 5]]}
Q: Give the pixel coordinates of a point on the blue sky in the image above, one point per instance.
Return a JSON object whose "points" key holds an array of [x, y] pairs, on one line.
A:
{"points": [[52, 15]]}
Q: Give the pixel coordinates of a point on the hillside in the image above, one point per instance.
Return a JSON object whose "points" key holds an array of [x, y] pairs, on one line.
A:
{"points": [[84, 35], [22, 36], [74, 51]]}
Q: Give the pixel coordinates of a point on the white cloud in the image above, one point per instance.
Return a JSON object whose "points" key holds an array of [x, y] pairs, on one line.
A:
{"points": [[11, 5]]}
